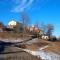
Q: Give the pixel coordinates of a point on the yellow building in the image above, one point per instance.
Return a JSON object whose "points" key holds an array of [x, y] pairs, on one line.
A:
{"points": [[33, 28]]}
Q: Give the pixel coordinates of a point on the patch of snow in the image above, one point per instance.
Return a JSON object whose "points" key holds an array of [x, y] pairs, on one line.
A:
{"points": [[11, 40], [43, 54], [32, 41], [43, 47]]}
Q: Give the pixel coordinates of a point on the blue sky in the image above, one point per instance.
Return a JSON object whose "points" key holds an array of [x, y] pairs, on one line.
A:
{"points": [[47, 11]]}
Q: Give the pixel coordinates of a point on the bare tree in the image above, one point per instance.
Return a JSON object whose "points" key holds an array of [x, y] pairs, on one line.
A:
{"points": [[25, 18], [37, 25], [43, 28], [50, 29], [25, 21]]}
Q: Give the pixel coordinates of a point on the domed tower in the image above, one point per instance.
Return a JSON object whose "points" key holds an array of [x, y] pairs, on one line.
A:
{"points": [[12, 24]]}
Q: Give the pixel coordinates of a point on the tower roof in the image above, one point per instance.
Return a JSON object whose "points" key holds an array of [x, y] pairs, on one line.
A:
{"points": [[12, 22]]}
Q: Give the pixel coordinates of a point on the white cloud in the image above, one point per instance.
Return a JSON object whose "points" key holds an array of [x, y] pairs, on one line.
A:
{"points": [[21, 5]]}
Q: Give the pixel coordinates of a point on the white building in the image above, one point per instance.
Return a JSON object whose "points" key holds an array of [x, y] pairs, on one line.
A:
{"points": [[45, 37]]}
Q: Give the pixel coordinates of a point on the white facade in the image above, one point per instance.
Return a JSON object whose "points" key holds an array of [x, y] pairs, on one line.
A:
{"points": [[12, 23], [45, 37]]}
